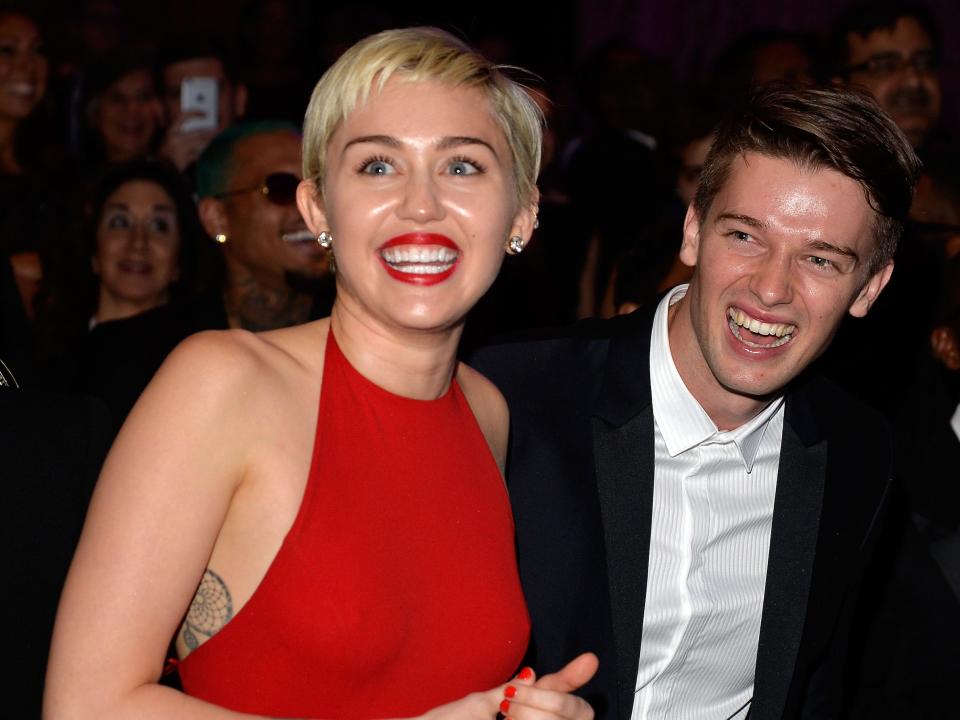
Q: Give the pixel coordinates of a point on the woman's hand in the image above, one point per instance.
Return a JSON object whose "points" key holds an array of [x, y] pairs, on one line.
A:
{"points": [[526, 698], [550, 696]]}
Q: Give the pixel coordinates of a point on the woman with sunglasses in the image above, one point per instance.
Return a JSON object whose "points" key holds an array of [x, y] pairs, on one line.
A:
{"points": [[372, 576]]}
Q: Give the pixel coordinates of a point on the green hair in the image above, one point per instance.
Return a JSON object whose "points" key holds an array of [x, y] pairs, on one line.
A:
{"points": [[215, 165]]}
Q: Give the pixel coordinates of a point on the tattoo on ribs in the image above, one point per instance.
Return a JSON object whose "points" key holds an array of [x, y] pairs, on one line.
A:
{"points": [[211, 609]]}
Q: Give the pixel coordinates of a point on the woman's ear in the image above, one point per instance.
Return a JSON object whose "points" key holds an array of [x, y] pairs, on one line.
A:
{"points": [[310, 204], [525, 221]]}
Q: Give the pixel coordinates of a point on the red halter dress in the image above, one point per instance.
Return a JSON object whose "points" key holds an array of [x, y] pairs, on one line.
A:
{"points": [[396, 588]]}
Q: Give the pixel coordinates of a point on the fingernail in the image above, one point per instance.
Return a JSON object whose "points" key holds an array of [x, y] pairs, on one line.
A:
{"points": [[510, 692], [525, 674], [505, 706]]}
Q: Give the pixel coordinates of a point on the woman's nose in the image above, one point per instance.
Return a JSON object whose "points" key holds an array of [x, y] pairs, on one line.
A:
{"points": [[421, 201]]}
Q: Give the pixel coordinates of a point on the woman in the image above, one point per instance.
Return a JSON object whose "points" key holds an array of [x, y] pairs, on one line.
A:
{"points": [[109, 313], [123, 110], [373, 576], [26, 216]]}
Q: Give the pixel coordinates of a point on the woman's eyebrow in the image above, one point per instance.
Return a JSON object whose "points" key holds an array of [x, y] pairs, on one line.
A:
{"points": [[388, 140], [453, 141]]}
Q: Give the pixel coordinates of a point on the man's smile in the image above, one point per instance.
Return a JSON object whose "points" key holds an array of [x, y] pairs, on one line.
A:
{"points": [[756, 333]]}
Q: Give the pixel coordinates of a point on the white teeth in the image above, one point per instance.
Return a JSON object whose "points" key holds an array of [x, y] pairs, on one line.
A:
{"points": [[298, 236], [739, 319], [422, 254]]}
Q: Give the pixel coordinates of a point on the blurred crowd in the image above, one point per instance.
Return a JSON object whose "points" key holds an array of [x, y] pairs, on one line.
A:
{"points": [[147, 192]]}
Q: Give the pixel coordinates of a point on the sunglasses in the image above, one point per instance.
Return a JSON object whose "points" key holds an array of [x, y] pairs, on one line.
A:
{"points": [[279, 188]]}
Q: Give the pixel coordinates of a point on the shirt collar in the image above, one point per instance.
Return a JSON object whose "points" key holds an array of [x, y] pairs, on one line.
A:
{"points": [[682, 422]]}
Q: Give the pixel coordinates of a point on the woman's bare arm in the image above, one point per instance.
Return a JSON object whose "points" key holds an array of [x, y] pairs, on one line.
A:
{"points": [[161, 499]]}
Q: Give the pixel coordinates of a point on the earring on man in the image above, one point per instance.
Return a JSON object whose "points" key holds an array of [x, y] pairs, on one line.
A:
{"points": [[515, 245], [325, 239], [220, 238]]}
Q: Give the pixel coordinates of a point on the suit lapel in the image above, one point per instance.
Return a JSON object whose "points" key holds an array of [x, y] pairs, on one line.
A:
{"points": [[793, 540], [624, 462]]}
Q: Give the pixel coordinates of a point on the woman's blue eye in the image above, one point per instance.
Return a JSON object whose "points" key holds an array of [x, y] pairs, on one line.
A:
{"points": [[463, 167], [378, 167]]}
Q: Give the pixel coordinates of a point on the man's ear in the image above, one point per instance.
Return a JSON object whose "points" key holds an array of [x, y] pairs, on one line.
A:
{"points": [[213, 217], [871, 291], [310, 204], [525, 220], [240, 96], [690, 247], [946, 347]]}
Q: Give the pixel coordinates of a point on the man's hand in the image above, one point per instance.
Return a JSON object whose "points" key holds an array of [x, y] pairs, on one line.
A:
{"points": [[183, 148]]}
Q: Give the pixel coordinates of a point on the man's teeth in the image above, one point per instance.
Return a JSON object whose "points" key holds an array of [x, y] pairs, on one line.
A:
{"points": [[739, 319], [298, 236], [428, 260]]}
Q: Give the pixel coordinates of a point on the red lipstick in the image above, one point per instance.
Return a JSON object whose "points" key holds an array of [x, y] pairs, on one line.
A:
{"points": [[430, 259]]}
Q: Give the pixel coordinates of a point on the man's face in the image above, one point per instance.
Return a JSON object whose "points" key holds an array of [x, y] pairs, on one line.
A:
{"points": [[897, 65], [175, 73], [268, 239], [780, 259]]}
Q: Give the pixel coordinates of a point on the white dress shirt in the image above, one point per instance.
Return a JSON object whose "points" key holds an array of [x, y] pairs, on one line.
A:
{"points": [[713, 500]]}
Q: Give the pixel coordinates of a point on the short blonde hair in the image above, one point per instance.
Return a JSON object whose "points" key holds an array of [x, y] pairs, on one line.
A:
{"points": [[421, 54]]}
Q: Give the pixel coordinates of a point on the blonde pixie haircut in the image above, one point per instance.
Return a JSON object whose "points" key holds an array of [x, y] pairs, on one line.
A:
{"points": [[420, 54]]}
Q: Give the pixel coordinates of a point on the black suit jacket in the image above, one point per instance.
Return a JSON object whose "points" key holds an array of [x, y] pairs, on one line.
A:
{"points": [[581, 470]]}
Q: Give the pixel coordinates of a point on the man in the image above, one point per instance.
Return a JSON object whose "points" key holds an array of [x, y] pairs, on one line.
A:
{"points": [[689, 504], [183, 144], [893, 50], [275, 270]]}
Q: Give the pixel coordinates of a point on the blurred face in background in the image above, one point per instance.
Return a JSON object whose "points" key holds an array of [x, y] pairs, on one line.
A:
{"points": [[126, 116], [898, 65], [137, 249], [23, 67]]}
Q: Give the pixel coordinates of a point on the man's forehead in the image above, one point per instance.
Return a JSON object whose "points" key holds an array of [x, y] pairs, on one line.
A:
{"points": [[264, 153], [905, 36]]}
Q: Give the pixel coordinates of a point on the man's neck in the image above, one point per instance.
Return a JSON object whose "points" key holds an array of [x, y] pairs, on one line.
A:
{"points": [[255, 306]]}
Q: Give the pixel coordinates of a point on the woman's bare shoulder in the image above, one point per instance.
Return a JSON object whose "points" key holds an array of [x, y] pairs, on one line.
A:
{"points": [[489, 408]]}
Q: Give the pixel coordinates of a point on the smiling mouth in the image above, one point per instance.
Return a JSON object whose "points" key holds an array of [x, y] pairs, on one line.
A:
{"points": [[420, 258], [756, 333]]}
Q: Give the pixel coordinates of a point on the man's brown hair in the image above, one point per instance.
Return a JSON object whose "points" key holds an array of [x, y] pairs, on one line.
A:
{"points": [[841, 129]]}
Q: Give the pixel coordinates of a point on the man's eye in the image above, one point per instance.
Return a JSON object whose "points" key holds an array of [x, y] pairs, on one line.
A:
{"points": [[377, 166], [885, 65], [822, 263], [740, 235]]}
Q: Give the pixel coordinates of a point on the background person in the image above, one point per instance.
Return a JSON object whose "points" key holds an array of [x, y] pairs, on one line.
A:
{"points": [[326, 577], [113, 309], [274, 272]]}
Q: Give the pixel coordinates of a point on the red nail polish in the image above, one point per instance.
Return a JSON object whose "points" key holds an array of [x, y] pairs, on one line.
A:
{"points": [[510, 692], [525, 674], [505, 706]]}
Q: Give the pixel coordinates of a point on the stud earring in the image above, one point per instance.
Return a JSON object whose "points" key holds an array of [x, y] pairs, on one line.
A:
{"points": [[220, 238], [325, 239], [515, 245]]}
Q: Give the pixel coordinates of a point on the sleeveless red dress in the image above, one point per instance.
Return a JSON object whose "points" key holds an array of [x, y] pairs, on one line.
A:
{"points": [[396, 588]]}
